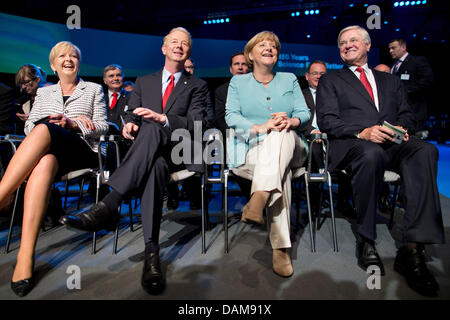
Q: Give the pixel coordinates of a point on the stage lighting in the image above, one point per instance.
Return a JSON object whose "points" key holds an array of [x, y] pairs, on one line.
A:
{"points": [[413, 3], [351, 5], [407, 3], [308, 36], [366, 5], [424, 1], [401, 3], [227, 20], [311, 12], [386, 22], [414, 35], [306, 12], [395, 4], [317, 11], [292, 14], [297, 13], [214, 21], [397, 29], [334, 17], [425, 38], [205, 22]]}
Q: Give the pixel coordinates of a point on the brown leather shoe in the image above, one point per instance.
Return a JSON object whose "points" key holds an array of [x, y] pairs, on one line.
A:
{"points": [[252, 212], [282, 265]]}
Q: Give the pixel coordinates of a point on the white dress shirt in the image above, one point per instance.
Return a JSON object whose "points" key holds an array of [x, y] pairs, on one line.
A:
{"points": [[314, 120], [371, 80], [110, 96], [397, 66], [166, 79]]}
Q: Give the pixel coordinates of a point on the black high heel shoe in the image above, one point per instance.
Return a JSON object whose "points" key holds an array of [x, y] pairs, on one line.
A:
{"points": [[22, 287]]}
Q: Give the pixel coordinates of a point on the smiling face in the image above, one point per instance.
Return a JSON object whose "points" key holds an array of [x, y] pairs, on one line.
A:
{"points": [[113, 79], [353, 48], [264, 53], [177, 47], [313, 75], [66, 62]]}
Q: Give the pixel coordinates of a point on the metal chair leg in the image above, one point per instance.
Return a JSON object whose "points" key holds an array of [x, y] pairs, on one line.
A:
{"points": [[94, 242], [116, 232], [225, 211], [66, 194], [80, 194], [311, 232], [333, 222], [11, 224], [130, 215], [203, 215]]}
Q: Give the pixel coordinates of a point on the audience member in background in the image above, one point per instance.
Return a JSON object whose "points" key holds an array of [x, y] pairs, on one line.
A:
{"points": [[383, 68], [160, 103], [351, 104], [238, 66], [115, 96], [61, 129], [128, 86], [264, 108], [417, 77], [29, 78]]}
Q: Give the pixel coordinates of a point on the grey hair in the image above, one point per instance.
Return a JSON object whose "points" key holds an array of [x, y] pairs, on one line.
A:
{"points": [[363, 32]]}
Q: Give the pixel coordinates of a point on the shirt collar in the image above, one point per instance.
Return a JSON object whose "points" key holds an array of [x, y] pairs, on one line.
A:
{"points": [[313, 91], [166, 76], [110, 92], [404, 57], [365, 68]]}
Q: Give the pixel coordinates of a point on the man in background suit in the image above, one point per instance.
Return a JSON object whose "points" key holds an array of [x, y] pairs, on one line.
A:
{"points": [[352, 104], [115, 96], [160, 103], [417, 77], [238, 66]]}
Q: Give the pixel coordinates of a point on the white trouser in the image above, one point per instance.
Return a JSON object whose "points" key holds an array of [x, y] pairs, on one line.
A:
{"points": [[270, 162]]}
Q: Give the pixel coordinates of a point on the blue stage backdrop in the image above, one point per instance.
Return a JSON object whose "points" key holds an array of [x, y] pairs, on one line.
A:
{"points": [[24, 40]]}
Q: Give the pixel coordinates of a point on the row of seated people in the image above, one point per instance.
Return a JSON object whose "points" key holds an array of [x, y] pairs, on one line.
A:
{"points": [[270, 111]]}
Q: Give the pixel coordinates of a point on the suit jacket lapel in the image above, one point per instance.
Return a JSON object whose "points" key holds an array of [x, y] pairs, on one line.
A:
{"points": [[355, 83], [181, 85], [309, 101], [380, 89], [57, 94], [79, 91]]}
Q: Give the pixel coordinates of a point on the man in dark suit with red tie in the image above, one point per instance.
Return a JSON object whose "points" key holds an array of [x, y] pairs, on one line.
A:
{"points": [[352, 104], [115, 96], [160, 103]]}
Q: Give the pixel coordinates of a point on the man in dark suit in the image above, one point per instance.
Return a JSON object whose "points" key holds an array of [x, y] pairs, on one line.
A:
{"points": [[417, 77], [115, 96], [160, 103], [352, 104], [238, 66]]}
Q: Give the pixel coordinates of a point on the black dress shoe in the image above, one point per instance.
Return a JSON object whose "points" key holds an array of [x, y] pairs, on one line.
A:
{"points": [[411, 264], [93, 220], [23, 287], [367, 256], [152, 280]]}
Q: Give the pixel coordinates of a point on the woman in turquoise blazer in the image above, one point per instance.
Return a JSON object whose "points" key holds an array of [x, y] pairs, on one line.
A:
{"points": [[265, 109]]}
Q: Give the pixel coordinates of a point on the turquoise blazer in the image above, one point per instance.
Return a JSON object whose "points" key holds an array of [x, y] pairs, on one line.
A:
{"points": [[249, 103]]}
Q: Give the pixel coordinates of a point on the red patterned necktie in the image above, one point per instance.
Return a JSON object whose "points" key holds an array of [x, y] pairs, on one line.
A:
{"points": [[365, 82], [168, 90], [114, 100]]}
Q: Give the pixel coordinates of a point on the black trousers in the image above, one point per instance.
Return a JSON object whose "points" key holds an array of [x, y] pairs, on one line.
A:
{"points": [[145, 169], [416, 162]]}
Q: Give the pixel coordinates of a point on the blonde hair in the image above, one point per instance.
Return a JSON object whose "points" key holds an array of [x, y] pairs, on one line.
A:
{"points": [[62, 47], [182, 30], [361, 30], [263, 35]]}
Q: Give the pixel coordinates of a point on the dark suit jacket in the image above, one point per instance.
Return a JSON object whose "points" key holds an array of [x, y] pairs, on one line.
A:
{"points": [[7, 111], [420, 80], [344, 108], [118, 110], [220, 99], [186, 103], [312, 108]]}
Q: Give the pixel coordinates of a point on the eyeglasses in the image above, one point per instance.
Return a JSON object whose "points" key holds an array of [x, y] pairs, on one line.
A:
{"points": [[315, 73], [189, 67], [26, 82]]}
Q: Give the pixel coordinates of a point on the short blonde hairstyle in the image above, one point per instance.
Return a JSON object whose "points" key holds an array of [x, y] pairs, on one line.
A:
{"points": [[63, 46], [263, 35], [182, 30]]}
